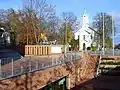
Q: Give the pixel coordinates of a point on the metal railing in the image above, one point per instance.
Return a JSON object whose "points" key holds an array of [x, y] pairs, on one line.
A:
{"points": [[107, 52], [11, 69], [98, 66]]}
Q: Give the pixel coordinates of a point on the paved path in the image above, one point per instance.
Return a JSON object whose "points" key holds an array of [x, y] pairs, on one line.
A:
{"points": [[31, 63], [5, 53]]}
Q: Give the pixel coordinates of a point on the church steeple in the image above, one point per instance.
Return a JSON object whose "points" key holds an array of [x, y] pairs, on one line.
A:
{"points": [[85, 12], [85, 21]]}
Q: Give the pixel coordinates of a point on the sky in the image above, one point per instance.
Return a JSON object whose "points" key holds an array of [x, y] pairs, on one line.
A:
{"points": [[77, 7]]}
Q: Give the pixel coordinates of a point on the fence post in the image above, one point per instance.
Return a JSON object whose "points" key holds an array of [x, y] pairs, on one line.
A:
{"points": [[12, 67], [0, 69]]}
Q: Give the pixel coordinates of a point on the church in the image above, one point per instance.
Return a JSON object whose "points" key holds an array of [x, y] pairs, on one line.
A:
{"points": [[85, 34]]}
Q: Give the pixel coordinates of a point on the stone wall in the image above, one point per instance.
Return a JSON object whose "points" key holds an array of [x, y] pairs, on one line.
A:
{"points": [[38, 79]]}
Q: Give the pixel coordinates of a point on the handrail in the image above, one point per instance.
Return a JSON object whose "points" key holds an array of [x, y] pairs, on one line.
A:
{"points": [[34, 66], [98, 63]]}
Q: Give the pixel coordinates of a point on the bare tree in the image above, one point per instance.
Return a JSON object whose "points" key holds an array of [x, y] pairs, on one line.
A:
{"points": [[68, 25], [38, 12], [98, 24], [29, 22]]}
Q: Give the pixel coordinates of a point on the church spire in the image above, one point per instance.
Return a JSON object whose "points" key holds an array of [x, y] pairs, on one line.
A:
{"points": [[85, 22], [85, 12]]}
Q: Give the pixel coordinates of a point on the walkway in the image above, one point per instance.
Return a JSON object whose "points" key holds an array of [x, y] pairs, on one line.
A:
{"points": [[33, 63]]}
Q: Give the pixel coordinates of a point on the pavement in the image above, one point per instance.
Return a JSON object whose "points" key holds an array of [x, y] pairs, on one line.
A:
{"points": [[8, 53]]}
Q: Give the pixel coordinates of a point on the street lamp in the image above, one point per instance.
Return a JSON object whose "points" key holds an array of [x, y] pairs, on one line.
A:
{"points": [[65, 39], [103, 36], [113, 34]]}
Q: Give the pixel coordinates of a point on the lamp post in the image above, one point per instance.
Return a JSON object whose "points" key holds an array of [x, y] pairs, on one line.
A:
{"points": [[79, 42], [103, 36], [113, 34], [65, 37]]}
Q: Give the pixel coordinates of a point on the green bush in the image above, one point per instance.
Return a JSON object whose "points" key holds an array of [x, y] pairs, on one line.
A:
{"points": [[93, 48]]}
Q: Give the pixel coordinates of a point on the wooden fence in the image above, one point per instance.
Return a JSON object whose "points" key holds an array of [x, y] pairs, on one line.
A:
{"points": [[35, 50]]}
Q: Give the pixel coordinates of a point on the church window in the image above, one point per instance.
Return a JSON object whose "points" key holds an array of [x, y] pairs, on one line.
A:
{"points": [[91, 36], [83, 37]]}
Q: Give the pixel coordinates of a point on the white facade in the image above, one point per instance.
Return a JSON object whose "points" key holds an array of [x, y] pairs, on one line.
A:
{"points": [[85, 33]]}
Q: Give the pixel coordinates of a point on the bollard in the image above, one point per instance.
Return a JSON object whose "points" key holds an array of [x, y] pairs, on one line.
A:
{"points": [[68, 82], [12, 67]]}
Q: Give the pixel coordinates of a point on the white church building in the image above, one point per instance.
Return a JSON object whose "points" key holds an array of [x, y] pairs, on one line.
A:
{"points": [[85, 34]]}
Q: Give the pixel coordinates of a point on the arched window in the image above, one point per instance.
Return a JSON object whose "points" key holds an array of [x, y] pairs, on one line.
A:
{"points": [[91, 36], [83, 37]]}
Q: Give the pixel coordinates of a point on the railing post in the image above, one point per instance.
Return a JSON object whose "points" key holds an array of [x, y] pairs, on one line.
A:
{"points": [[12, 67], [36, 65], [42, 66], [21, 69], [0, 68], [52, 61], [118, 53], [96, 53], [71, 57], [30, 68], [55, 61], [68, 82], [75, 55], [98, 65]]}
